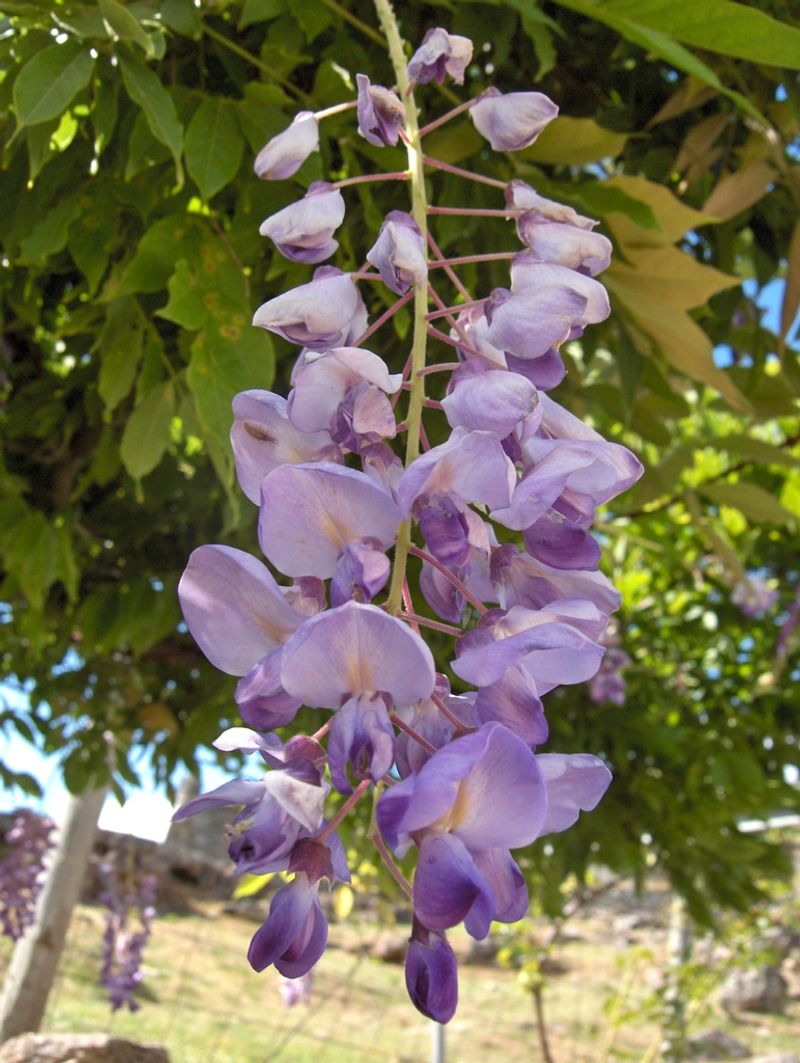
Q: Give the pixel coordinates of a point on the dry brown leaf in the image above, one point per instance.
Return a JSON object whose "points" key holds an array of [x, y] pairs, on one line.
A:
{"points": [[692, 93], [739, 190], [673, 216], [698, 152], [791, 293]]}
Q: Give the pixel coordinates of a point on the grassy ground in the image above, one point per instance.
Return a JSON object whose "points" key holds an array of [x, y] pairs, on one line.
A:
{"points": [[203, 1002]]}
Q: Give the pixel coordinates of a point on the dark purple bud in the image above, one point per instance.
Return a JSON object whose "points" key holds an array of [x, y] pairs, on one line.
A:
{"points": [[561, 544], [285, 153], [303, 231], [295, 933], [440, 53], [513, 120], [399, 253], [314, 859], [432, 975], [445, 530], [361, 736], [361, 572], [380, 113]]}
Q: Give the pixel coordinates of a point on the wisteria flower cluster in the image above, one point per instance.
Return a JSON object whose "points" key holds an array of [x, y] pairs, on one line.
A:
{"points": [[27, 841], [129, 898], [458, 779]]}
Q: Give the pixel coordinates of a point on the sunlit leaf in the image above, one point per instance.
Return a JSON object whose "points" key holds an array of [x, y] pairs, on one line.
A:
{"points": [[147, 433], [49, 82], [214, 146]]}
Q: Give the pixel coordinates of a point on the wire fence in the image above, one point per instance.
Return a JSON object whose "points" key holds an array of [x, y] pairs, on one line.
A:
{"points": [[201, 1001]]}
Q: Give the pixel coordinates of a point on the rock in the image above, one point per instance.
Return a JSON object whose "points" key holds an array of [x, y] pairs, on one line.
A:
{"points": [[79, 1048], [716, 1044], [761, 989], [389, 948]]}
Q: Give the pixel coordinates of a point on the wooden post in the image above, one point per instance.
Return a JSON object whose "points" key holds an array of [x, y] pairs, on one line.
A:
{"points": [[36, 955]]}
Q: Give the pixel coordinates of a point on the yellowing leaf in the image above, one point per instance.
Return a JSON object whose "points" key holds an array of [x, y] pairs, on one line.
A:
{"points": [[681, 340], [699, 150], [342, 902], [673, 216], [739, 190], [575, 141], [756, 503], [677, 279]]}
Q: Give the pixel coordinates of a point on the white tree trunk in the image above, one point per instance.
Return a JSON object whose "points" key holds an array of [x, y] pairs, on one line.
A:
{"points": [[35, 959]]}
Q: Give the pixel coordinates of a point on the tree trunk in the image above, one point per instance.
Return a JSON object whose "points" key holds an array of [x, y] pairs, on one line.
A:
{"points": [[35, 961]]}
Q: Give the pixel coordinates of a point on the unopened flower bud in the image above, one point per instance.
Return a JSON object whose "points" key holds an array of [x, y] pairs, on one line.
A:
{"points": [[380, 113], [513, 120], [399, 253], [285, 153], [440, 53], [303, 231]]}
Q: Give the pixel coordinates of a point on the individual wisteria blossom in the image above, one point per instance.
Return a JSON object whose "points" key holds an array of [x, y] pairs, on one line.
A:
{"points": [[440, 54], [327, 312], [303, 231], [513, 120], [375, 501], [380, 113], [27, 842], [285, 153], [754, 596], [399, 253]]}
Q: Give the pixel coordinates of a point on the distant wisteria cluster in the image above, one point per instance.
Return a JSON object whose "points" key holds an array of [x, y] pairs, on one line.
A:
{"points": [[129, 899], [373, 550], [27, 842]]}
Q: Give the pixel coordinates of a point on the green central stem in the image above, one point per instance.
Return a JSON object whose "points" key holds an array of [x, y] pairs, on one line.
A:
{"points": [[419, 208]]}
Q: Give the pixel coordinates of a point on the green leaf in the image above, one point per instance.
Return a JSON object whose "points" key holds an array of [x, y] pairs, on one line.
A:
{"points": [[311, 16], [40, 148], [455, 142], [154, 259], [186, 306], [718, 26], [214, 146], [120, 348], [182, 17], [575, 142], [49, 82], [662, 45], [600, 198], [260, 11], [124, 25], [226, 359], [145, 89], [757, 450], [756, 503], [37, 555], [147, 433], [50, 235]]}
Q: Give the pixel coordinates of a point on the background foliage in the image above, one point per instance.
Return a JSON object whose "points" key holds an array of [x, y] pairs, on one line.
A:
{"points": [[132, 265]]}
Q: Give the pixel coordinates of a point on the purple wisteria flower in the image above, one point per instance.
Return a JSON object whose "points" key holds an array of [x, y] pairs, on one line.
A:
{"points": [[344, 390], [754, 596], [399, 253], [263, 437], [488, 520], [29, 839], [513, 120], [448, 810], [285, 153], [380, 113], [327, 312], [362, 662], [441, 53], [303, 231]]}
